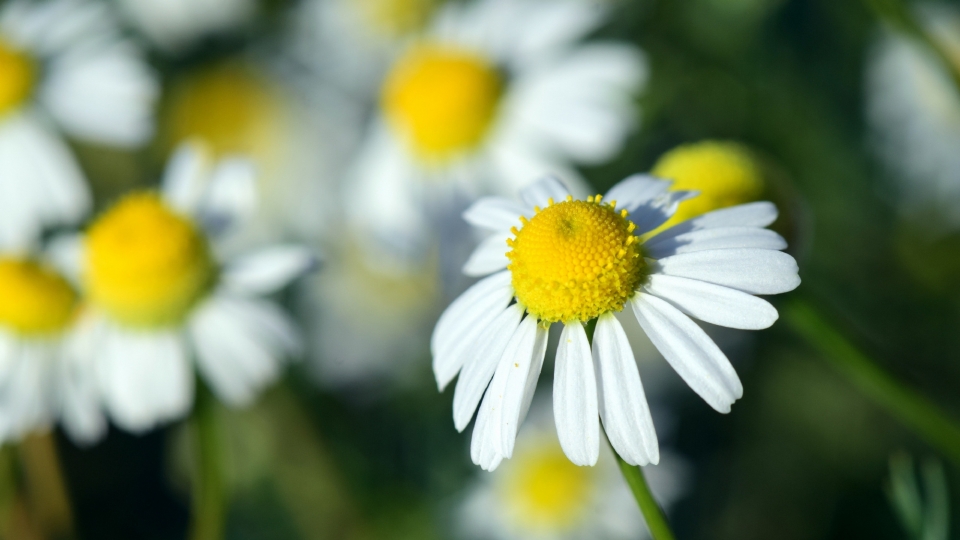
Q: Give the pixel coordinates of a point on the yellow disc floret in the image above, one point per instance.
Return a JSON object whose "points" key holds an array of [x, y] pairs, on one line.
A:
{"points": [[229, 107], [18, 73], [725, 174], [547, 491], [575, 260], [442, 100], [34, 298], [146, 264]]}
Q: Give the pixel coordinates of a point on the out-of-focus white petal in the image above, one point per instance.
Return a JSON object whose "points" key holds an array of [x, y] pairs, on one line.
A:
{"points": [[268, 270]]}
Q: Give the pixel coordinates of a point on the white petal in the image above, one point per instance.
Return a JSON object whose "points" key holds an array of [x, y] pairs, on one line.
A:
{"points": [[755, 271], [482, 450], [523, 385], [65, 253], [714, 304], [575, 405], [145, 377], [540, 192], [81, 412], [242, 344], [463, 321], [232, 194], [756, 214], [495, 213], [481, 363], [694, 356], [268, 270], [490, 256], [623, 405], [717, 238], [635, 190], [655, 212], [185, 178]]}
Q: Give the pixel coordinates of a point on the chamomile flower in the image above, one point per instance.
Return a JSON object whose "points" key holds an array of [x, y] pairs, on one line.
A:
{"points": [[162, 299], [560, 260], [540, 495], [38, 309], [63, 67], [493, 93], [723, 173], [913, 108]]}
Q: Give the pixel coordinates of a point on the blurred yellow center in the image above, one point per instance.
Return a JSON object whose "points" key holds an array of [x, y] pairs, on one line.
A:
{"points": [[725, 174], [395, 17], [442, 100], [34, 298], [546, 489], [575, 260], [229, 107], [147, 265], [18, 73]]}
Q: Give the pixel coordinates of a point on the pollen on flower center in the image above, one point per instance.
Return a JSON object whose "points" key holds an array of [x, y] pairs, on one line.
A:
{"points": [[34, 298], [575, 260], [442, 100], [547, 489], [146, 264], [18, 73]]}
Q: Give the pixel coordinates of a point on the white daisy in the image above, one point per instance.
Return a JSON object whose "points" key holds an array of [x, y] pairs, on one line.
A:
{"points": [[63, 66], [540, 495], [493, 93], [913, 108], [174, 25], [160, 298], [572, 261], [38, 308]]}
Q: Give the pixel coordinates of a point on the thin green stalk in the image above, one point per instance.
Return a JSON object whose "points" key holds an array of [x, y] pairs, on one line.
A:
{"points": [[652, 513], [911, 408], [209, 509]]}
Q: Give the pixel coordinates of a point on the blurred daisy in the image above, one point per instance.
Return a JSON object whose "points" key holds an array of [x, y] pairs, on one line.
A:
{"points": [[574, 261], [63, 65], [174, 25], [540, 494], [38, 308], [723, 173], [161, 298], [351, 297], [913, 109], [493, 93], [241, 108]]}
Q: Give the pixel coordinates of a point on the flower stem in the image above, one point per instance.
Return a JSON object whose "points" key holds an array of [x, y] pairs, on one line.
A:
{"points": [[911, 408], [208, 493], [652, 513]]}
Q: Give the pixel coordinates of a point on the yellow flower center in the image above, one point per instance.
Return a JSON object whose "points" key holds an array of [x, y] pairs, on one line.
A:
{"points": [[546, 490], [147, 265], [395, 18], [34, 298], [575, 260], [442, 100], [18, 74], [725, 174], [229, 107]]}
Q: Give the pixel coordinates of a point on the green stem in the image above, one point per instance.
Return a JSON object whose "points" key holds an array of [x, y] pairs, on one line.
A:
{"points": [[208, 497], [652, 513], [899, 16], [908, 406]]}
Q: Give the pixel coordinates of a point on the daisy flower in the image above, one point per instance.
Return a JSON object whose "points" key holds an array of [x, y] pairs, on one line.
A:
{"points": [[556, 259], [161, 297], [63, 66], [38, 308], [913, 110], [491, 94], [540, 494]]}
